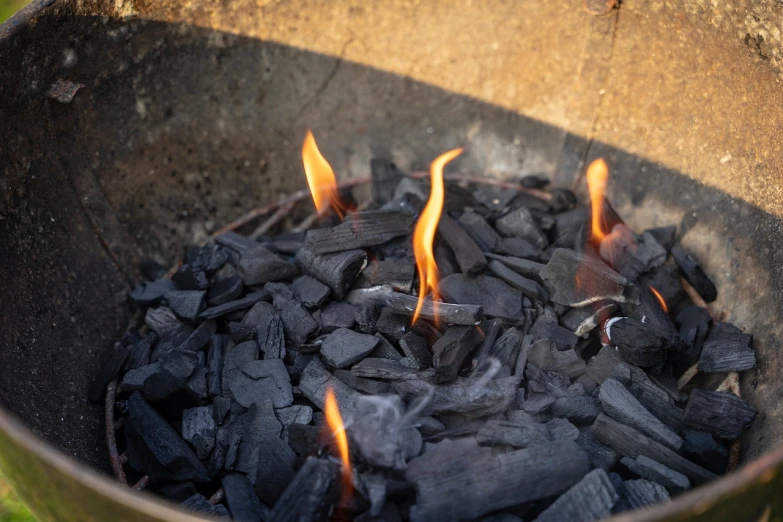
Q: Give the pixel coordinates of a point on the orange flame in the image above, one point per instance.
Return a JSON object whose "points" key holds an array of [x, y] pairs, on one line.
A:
{"points": [[335, 422], [424, 234], [597, 174], [320, 178], [660, 298]]}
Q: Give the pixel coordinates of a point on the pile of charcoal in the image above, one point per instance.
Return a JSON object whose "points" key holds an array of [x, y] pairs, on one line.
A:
{"points": [[559, 379]]}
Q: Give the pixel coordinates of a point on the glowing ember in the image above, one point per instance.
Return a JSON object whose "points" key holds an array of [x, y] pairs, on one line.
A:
{"points": [[424, 234], [320, 178], [660, 299], [335, 422], [597, 174]]}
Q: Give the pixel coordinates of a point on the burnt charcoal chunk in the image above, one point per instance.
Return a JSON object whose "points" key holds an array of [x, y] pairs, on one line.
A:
{"points": [[189, 277], [146, 294], [208, 258], [271, 336], [385, 178], [240, 332], [198, 383], [225, 290], [600, 367], [344, 347], [311, 494], [702, 448], [519, 248], [495, 297], [538, 403], [642, 493], [592, 498], [479, 230], [169, 394], [258, 265], [523, 267], [460, 397], [506, 349], [545, 328], [528, 287], [298, 413], [178, 492], [241, 499], [600, 456], [297, 322], [630, 254], [723, 414], [640, 344], [152, 436], [396, 273], [201, 504], [655, 471], [302, 438], [520, 223], [664, 235], [392, 325], [108, 372], [583, 320], [468, 254], [514, 434], [133, 380], [199, 429], [235, 241], [200, 337], [260, 381], [694, 274], [693, 322], [238, 304], [451, 349], [220, 408], [316, 380], [311, 292], [363, 385], [338, 314], [653, 397], [140, 352], [415, 349], [495, 198], [727, 349], [442, 312], [360, 230], [162, 320], [217, 347], [337, 271], [666, 281], [545, 355], [179, 363], [534, 181], [580, 410]]}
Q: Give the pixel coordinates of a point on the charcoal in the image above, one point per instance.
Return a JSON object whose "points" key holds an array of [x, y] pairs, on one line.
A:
{"points": [[580, 410], [162, 320], [316, 380], [720, 413], [269, 331], [534, 181], [395, 273], [703, 449], [198, 383], [630, 254], [388, 369], [235, 241], [343, 347], [653, 397], [429, 426], [220, 408], [208, 258], [491, 330], [311, 494], [538, 403], [235, 357], [694, 274], [240, 333], [583, 320], [258, 265], [298, 413], [479, 230], [518, 248], [360, 230], [496, 298], [302, 438], [461, 396], [655, 471], [139, 352], [262, 430], [524, 267], [592, 498], [179, 363], [151, 436], [468, 254], [385, 178], [600, 456], [693, 322], [337, 271], [259, 381], [622, 406], [415, 349], [382, 434], [598, 281], [664, 236], [108, 372], [152, 270], [297, 322], [191, 277], [241, 499], [545, 328], [200, 337], [217, 348], [201, 504], [169, 394], [146, 294], [238, 304], [133, 380], [385, 350], [359, 296], [528, 287], [338, 314], [445, 259], [445, 313], [287, 243], [275, 469], [587, 384], [727, 349], [640, 344], [506, 349], [217, 459], [451, 349], [225, 290], [600, 367], [642, 493], [545, 355], [170, 341], [479, 482], [495, 198], [199, 429], [561, 429], [630, 443], [520, 223], [391, 325], [311, 292], [514, 434], [178, 492]]}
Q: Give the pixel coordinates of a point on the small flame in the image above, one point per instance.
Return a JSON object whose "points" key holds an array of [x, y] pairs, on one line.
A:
{"points": [[320, 178], [424, 234], [597, 174], [335, 422], [660, 298]]}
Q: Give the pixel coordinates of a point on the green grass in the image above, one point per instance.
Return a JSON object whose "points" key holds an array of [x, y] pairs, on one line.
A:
{"points": [[7, 8], [11, 508]]}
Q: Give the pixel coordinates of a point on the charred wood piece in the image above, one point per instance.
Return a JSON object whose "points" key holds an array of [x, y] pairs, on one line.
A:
{"points": [[520, 223], [338, 271], [727, 349], [360, 230], [545, 355], [259, 265], [238, 304], [469, 256], [311, 292], [395, 273], [642, 493], [311, 495], [495, 297], [338, 314], [415, 349], [451, 349], [523, 267], [344, 347], [528, 287], [461, 396], [385, 177], [723, 414], [316, 380], [592, 498], [655, 471], [694, 274], [479, 230], [446, 313], [388, 369]]}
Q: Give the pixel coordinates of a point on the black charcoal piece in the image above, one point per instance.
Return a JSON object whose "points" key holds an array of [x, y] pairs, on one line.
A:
{"points": [[534, 181], [583, 320], [721, 413], [133, 380], [150, 435], [574, 279], [580, 410], [385, 350], [311, 494], [243, 504], [298, 413], [225, 290], [311, 292], [380, 434], [152, 270], [693, 272], [235, 357], [520, 223], [445, 313], [392, 325], [343, 347], [451, 349], [146, 294], [545, 355], [479, 482], [198, 383], [415, 348], [468, 254], [258, 265], [363, 385], [275, 469], [385, 178], [302, 438], [514, 434], [360, 230], [169, 394], [479, 230], [200, 337], [297, 322], [664, 235], [693, 322], [600, 456], [315, 382], [108, 372], [339, 314], [190, 277], [261, 429], [269, 329], [396, 273], [630, 443], [506, 349], [217, 348], [495, 198], [524, 267], [337, 271], [600, 367], [519, 248], [241, 332], [208, 258], [545, 328], [495, 297], [653, 397], [622, 406], [638, 343], [444, 258], [592, 498], [235, 241], [162, 320], [260, 381], [359, 296], [491, 330], [461, 395], [238, 304], [630, 254], [727, 349], [179, 363], [552, 382], [703, 449], [655, 471], [528, 287], [537, 403], [220, 408], [388, 369], [642, 493], [199, 429], [140, 352], [201, 504]]}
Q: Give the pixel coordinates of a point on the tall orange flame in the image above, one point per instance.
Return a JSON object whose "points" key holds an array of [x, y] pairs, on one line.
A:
{"points": [[424, 234], [320, 178], [597, 174], [660, 298], [335, 422]]}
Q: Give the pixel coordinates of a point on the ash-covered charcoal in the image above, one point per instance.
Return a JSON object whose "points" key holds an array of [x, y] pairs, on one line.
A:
{"points": [[581, 410], [551, 382], [369, 386], [461, 395], [190, 278], [506, 349], [583, 320], [600, 456], [416, 350], [359, 296], [479, 230], [269, 330], [385, 178], [640, 344], [721, 413], [538, 404], [525, 434], [574, 279], [491, 330], [528, 287], [703, 449], [391, 325], [390, 370], [249, 300], [693, 323], [338, 271], [259, 265], [546, 328], [468, 254], [298, 413], [260, 381], [642, 493], [495, 297], [393, 272], [451, 349], [162, 320], [108, 372], [656, 399], [169, 394], [695, 275], [201, 504], [199, 429], [243, 504], [311, 292], [592, 498], [446, 313], [383, 433], [360, 230], [545, 355], [520, 223], [312, 493], [147, 294], [631, 254], [727, 349], [316, 380], [655, 471], [297, 321], [343, 347], [524, 267], [338, 314], [600, 367]]}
